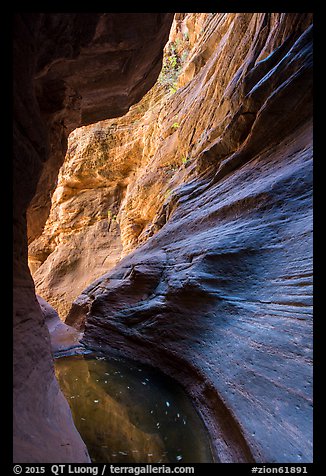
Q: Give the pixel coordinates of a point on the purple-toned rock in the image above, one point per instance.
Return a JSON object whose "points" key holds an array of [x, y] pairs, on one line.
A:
{"points": [[69, 70]]}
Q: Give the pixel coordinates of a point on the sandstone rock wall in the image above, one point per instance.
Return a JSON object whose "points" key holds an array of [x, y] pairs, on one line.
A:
{"points": [[69, 70], [121, 177], [215, 233]]}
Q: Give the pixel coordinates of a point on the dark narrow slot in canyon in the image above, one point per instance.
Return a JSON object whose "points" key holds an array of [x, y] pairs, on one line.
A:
{"points": [[163, 237]]}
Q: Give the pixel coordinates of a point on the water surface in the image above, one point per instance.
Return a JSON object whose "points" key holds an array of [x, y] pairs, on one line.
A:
{"points": [[129, 413]]}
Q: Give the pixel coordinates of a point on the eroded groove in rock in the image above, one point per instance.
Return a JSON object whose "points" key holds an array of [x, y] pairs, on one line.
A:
{"points": [[124, 178], [69, 70], [234, 300], [215, 283], [203, 191]]}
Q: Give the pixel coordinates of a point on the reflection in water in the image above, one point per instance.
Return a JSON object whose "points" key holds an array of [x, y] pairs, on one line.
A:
{"points": [[128, 413]]}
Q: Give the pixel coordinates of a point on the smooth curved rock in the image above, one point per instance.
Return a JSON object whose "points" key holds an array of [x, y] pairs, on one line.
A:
{"points": [[220, 294], [64, 339], [120, 179], [69, 70], [217, 288]]}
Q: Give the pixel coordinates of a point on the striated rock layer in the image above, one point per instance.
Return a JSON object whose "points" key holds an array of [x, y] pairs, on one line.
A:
{"points": [[215, 229], [69, 70]]}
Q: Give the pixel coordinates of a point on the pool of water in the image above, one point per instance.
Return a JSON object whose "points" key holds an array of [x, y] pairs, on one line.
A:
{"points": [[129, 413]]}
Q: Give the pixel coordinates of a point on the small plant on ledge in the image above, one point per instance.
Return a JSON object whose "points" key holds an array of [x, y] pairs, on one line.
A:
{"points": [[111, 217], [172, 65], [167, 193]]}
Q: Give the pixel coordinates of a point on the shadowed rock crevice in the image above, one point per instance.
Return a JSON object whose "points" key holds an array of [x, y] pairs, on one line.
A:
{"points": [[69, 70], [185, 226]]}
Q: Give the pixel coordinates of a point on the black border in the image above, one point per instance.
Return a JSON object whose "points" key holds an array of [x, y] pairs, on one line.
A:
{"points": [[6, 191]]}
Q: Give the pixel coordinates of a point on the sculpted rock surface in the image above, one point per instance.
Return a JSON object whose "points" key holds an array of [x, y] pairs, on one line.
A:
{"points": [[64, 339], [215, 234], [89, 67], [69, 70]]}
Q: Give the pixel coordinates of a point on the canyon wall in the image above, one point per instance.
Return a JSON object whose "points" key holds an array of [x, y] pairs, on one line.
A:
{"points": [[203, 191], [69, 70]]}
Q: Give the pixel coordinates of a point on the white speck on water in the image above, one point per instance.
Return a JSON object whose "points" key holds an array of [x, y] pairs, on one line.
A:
{"points": [[158, 404]]}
